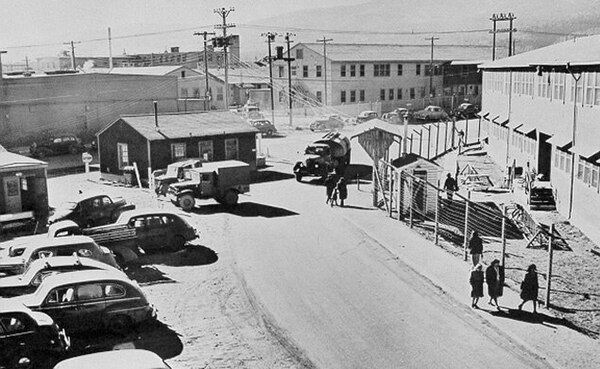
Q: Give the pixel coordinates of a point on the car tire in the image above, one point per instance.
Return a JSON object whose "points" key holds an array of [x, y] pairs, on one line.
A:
{"points": [[270, 133], [187, 202], [120, 324]]}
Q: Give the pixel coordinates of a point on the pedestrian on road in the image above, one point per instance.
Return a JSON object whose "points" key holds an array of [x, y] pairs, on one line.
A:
{"points": [[450, 186], [342, 190], [529, 288], [494, 277], [476, 281], [476, 247], [330, 183]]}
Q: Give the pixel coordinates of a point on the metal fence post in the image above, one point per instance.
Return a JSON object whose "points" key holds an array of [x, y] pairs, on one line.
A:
{"points": [[466, 233], [437, 139], [466, 130], [375, 184], [421, 142], [503, 236], [428, 141], [437, 212], [549, 276], [446, 136], [410, 204], [411, 143], [391, 189], [398, 195]]}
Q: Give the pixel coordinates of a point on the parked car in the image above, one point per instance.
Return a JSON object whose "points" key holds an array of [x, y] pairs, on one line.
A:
{"points": [[16, 262], [116, 359], [89, 300], [466, 110], [149, 230], [91, 210], [264, 126], [58, 145], [327, 123], [392, 117], [431, 113], [29, 281], [29, 337], [366, 116], [174, 172]]}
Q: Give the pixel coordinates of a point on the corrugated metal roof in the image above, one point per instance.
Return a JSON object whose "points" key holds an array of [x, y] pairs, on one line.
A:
{"points": [[171, 126], [580, 51], [390, 52]]}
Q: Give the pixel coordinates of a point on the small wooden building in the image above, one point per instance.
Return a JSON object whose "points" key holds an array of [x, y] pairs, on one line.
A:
{"points": [[24, 194], [154, 141], [425, 173]]}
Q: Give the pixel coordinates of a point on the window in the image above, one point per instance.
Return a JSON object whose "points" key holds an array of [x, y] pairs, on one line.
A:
{"points": [[281, 71], [391, 94], [318, 73], [219, 93], [205, 148], [231, 149], [399, 69], [594, 176], [299, 54], [361, 95], [343, 70], [13, 324], [123, 155], [381, 70], [352, 70], [294, 70], [418, 72], [89, 292], [568, 162], [353, 96], [399, 94], [382, 94], [182, 74], [597, 89], [178, 151], [412, 93], [305, 71], [113, 290], [319, 96], [587, 173], [589, 88], [361, 70], [580, 165], [342, 96]]}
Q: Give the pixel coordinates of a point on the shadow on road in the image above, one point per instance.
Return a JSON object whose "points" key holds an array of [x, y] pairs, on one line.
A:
{"points": [[245, 209], [153, 336], [540, 318], [263, 176]]}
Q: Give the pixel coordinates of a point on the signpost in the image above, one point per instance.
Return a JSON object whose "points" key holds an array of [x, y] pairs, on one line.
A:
{"points": [[87, 159]]}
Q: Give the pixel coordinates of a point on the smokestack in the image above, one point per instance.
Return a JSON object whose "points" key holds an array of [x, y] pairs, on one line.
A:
{"points": [[156, 114]]}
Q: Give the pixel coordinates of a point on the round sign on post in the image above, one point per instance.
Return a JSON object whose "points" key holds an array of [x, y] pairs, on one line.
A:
{"points": [[86, 157]]}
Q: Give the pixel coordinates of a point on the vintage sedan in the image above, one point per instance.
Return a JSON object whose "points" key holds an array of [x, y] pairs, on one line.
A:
{"points": [[89, 300], [431, 113], [466, 110], [366, 116], [27, 251], [327, 123], [91, 210], [116, 359], [64, 144], [29, 281], [264, 126], [28, 338]]}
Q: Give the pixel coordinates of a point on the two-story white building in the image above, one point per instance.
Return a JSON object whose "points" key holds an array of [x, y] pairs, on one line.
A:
{"points": [[393, 75], [542, 109]]}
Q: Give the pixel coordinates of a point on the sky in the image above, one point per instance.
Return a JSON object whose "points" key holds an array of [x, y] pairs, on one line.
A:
{"points": [[36, 28]]}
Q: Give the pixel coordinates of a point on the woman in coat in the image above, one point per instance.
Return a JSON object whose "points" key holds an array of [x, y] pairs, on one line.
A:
{"points": [[476, 247], [476, 281], [494, 277], [529, 288], [342, 190]]}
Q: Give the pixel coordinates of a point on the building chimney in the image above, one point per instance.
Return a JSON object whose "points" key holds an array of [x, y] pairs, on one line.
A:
{"points": [[156, 114], [175, 49]]}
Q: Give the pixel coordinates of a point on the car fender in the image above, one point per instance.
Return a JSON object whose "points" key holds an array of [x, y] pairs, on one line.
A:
{"points": [[185, 192]]}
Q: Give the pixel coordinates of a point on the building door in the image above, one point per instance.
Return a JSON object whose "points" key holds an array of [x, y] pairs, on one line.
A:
{"points": [[12, 194], [420, 194], [544, 156]]}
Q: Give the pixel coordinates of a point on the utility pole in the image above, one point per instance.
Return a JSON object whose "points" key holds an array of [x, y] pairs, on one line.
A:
{"points": [[270, 38], [431, 65], [325, 41], [510, 17], [110, 58], [224, 13], [26, 64], [289, 62], [73, 65], [205, 35]]}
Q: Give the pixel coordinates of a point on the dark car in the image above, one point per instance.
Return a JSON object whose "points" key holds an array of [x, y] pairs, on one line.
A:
{"points": [[29, 337], [327, 123], [58, 145], [90, 211], [265, 127], [90, 300], [366, 116], [466, 110], [431, 112]]}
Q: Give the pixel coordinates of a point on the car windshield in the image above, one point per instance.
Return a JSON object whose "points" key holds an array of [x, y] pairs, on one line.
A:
{"points": [[315, 150], [67, 205]]}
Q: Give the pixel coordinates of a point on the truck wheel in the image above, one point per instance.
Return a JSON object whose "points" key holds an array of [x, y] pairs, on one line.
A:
{"points": [[187, 202], [298, 177], [230, 198]]}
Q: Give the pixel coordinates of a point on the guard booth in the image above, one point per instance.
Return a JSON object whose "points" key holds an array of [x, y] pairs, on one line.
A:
{"points": [[24, 193]]}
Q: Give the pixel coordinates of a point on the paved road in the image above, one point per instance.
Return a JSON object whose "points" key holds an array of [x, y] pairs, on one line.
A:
{"points": [[326, 287]]}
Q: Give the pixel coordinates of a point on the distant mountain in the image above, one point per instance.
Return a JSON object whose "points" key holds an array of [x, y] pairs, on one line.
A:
{"points": [[538, 23]]}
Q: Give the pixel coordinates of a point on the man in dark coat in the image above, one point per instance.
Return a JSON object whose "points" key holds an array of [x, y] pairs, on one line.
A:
{"points": [[475, 247], [494, 277], [450, 186], [529, 288], [342, 190], [330, 183]]}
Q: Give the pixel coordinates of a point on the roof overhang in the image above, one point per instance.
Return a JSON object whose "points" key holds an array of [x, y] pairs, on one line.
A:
{"points": [[513, 125], [560, 141], [500, 120], [483, 115], [525, 129], [586, 151]]}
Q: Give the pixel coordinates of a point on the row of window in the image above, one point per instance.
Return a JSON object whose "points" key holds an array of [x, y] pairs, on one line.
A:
{"points": [[384, 94], [179, 151], [587, 172], [562, 160], [358, 70]]}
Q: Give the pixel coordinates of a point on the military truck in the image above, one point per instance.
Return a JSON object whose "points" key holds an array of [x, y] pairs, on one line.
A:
{"points": [[175, 172], [223, 181], [323, 156]]}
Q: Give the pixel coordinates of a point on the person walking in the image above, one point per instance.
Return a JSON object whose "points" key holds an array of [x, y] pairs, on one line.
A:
{"points": [[494, 277], [342, 190], [330, 183], [476, 247], [450, 186], [476, 281], [529, 288]]}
